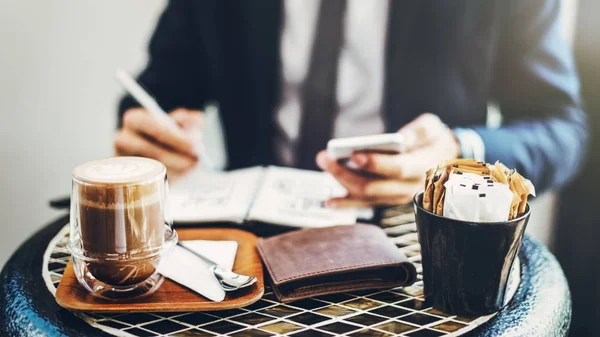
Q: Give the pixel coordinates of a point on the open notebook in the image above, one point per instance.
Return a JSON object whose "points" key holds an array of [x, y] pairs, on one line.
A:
{"points": [[277, 195]]}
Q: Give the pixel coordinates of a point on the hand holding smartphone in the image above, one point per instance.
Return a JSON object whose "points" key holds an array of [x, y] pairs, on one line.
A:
{"points": [[341, 149]]}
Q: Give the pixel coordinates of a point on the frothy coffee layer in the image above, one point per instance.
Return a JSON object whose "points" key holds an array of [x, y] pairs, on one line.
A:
{"points": [[120, 218], [119, 170]]}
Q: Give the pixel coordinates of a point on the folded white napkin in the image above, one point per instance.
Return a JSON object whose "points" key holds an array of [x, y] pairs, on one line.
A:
{"points": [[185, 268], [470, 197]]}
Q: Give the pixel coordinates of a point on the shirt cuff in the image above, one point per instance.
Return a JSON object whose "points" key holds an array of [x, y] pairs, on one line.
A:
{"points": [[471, 144]]}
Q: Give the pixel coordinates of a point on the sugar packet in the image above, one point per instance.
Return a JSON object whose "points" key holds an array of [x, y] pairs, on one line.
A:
{"points": [[470, 197], [465, 189]]}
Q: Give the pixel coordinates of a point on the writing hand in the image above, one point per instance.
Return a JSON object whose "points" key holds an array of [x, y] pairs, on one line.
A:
{"points": [[144, 135]]}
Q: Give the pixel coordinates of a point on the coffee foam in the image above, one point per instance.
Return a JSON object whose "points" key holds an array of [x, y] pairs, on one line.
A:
{"points": [[119, 182], [119, 171]]}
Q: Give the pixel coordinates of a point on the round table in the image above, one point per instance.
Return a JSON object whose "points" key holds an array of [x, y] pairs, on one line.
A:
{"points": [[541, 305]]}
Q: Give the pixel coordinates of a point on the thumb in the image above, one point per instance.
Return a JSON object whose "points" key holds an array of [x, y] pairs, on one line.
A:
{"points": [[192, 122], [188, 119], [422, 131]]}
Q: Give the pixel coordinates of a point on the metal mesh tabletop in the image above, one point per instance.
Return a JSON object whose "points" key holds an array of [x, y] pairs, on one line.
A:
{"points": [[394, 312]]}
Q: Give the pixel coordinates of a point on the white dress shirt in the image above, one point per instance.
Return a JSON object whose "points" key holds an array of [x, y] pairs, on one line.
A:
{"points": [[360, 73]]}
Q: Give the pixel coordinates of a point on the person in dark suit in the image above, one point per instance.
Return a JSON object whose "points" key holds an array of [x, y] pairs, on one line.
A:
{"points": [[290, 74]]}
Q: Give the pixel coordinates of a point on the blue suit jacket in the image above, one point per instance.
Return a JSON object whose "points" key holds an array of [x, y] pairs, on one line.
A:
{"points": [[445, 57]]}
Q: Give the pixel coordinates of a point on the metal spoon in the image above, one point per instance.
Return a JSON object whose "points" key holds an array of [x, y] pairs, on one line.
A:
{"points": [[228, 280]]}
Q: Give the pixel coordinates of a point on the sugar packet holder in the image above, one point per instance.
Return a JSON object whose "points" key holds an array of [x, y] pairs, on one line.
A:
{"points": [[486, 176]]}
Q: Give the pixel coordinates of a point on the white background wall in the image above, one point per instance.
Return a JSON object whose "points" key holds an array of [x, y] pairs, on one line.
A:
{"points": [[58, 97]]}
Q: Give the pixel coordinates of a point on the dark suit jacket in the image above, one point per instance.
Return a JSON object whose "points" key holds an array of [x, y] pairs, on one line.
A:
{"points": [[445, 57]]}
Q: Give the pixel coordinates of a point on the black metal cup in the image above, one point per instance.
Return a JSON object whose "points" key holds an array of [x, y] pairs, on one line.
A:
{"points": [[466, 265]]}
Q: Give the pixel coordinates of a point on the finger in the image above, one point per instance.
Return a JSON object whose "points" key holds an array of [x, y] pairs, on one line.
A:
{"points": [[415, 164], [381, 190], [140, 121], [384, 165], [188, 119], [192, 122], [322, 159], [129, 143], [352, 182], [422, 131], [406, 166], [350, 202]]}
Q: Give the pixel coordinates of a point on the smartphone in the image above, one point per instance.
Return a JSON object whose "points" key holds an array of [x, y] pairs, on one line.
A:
{"points": [[342, 148]]}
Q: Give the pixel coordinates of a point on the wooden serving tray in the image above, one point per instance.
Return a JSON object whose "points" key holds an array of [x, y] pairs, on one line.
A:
{"points": [[172, 296]]}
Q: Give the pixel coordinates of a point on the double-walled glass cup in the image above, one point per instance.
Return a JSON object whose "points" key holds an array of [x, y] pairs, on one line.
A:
{"points": [[120, 226]]}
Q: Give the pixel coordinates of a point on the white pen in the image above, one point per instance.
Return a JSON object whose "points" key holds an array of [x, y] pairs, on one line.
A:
{"points": [[144, 98]]}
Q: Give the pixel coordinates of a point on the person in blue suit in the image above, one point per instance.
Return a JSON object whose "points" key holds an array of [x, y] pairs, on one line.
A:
{"points": [[290, 74]]}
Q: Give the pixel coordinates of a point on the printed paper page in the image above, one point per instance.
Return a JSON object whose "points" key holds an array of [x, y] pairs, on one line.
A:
{"points": [[293, 197], [209, 196]]}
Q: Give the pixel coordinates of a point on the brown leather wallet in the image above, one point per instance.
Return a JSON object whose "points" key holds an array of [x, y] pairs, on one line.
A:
{"points": [[321, 261]]}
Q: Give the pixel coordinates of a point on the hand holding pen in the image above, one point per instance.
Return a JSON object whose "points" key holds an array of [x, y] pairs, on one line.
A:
{"points": [[174, 138]]}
